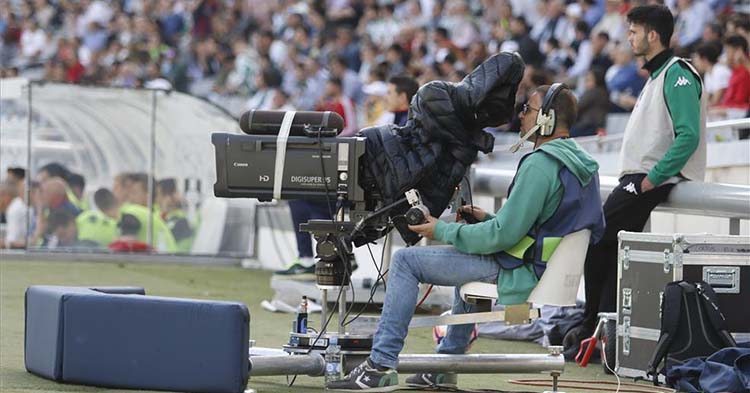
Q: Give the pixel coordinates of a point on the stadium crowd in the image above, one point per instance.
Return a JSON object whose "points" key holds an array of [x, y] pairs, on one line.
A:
{"points": [[340, 54]]}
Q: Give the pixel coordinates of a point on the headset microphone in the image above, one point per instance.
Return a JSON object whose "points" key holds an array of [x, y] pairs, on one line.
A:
{"points": [[523, 139]]}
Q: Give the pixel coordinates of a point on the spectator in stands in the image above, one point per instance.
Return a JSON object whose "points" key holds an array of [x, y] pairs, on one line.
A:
{"points": [[129, 227], [394, 56], [401, 89], [737, 94], [335, 101], [173, 213], [15, 212], [553, 24], [601, 58], [281, 101], [623, 78], [350, 82], [522, 42], [593, 106], [715, 75], [99, 226], [739, 24], [33, 42], [581, 52], [613, 22], [692, 18], [713, 33], [267, 83], [557, 58], [664, 143]]}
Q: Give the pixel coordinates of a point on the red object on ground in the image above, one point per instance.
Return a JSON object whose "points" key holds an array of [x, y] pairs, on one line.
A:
{"points": [[129, 246], [588, 345]]}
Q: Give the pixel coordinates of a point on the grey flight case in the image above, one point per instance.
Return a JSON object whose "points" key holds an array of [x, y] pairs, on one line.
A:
{"points": [[648, 261]]}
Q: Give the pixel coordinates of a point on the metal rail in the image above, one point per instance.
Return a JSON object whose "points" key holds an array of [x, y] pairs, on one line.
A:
{"points": [[314, 364], [691, 197]]}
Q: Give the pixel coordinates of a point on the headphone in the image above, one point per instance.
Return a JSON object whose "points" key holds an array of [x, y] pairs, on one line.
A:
{"points": [[546, 121], [545, 118]]}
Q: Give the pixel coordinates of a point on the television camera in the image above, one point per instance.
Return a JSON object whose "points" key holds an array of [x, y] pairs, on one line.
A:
{"points": [[299, 155]]}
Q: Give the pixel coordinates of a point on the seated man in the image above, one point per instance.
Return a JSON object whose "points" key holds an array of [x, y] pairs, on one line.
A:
{"points": [[555, 192]]}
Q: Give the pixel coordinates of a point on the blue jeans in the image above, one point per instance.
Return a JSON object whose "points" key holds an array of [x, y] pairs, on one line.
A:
{"points": [[439, 265]]}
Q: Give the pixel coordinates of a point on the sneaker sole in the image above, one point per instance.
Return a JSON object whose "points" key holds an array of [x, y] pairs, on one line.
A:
{"points": [[379, 389], [442, 385]]}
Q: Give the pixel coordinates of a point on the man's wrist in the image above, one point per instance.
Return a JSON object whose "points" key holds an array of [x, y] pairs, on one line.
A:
{"points": [[439, 230]]}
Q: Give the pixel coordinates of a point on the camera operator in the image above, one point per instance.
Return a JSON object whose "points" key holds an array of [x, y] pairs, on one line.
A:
{"points": [[555, 192]]}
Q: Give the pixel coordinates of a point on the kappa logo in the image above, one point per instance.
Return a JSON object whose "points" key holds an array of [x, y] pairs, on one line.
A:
{"points": [[682, 81], [631, 188]]}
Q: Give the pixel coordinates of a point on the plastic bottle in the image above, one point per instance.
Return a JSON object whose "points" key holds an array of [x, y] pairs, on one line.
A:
{"points": [[301, 322], [333, 360]]}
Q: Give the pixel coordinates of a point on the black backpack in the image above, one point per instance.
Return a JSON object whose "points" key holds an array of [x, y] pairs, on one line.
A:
{"points": [[691, 326]]}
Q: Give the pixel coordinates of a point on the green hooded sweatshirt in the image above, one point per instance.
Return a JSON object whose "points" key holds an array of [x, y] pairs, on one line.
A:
{"points": [[536, 194]]}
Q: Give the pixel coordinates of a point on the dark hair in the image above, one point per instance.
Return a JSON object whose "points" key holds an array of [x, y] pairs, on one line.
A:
{"points": [[716, 28], [55, 169], [339, 59], [336, 81], [604, 35], [104, 199], [443, 32], [737, 41], [654, 17], [129, 225], [397, 48], [709, 51], [271, 77], [520, 19], [598, 73], [405, 84], [59, 218], [167, 186], [582, 27], [553, 42], [76, 180], [17, 172], [565, 105]]}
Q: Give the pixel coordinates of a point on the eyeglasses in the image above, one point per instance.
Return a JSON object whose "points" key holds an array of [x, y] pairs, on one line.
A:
{"points": [[526, 108]]}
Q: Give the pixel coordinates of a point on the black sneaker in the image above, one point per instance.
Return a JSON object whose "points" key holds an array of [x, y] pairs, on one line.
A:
{"points": [[448, 380], [297, 270], [367, 377]]}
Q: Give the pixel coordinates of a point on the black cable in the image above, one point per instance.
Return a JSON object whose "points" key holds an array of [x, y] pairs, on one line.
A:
{"points": [[381, 277]]}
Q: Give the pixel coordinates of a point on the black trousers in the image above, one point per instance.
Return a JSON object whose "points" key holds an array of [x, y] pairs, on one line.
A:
{"points": [[626, 208]]}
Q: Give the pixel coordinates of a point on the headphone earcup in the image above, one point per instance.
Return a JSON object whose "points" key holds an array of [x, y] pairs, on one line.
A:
{"points": [[549, 126], [541, 121]]}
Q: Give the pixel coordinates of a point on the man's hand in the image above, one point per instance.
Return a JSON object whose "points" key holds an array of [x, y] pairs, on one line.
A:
{"points": [[646, 185], [475, 211], [427, 229]]}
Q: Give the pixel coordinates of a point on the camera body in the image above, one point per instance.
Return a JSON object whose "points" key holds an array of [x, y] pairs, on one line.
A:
{"points": [[318, 169]]}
